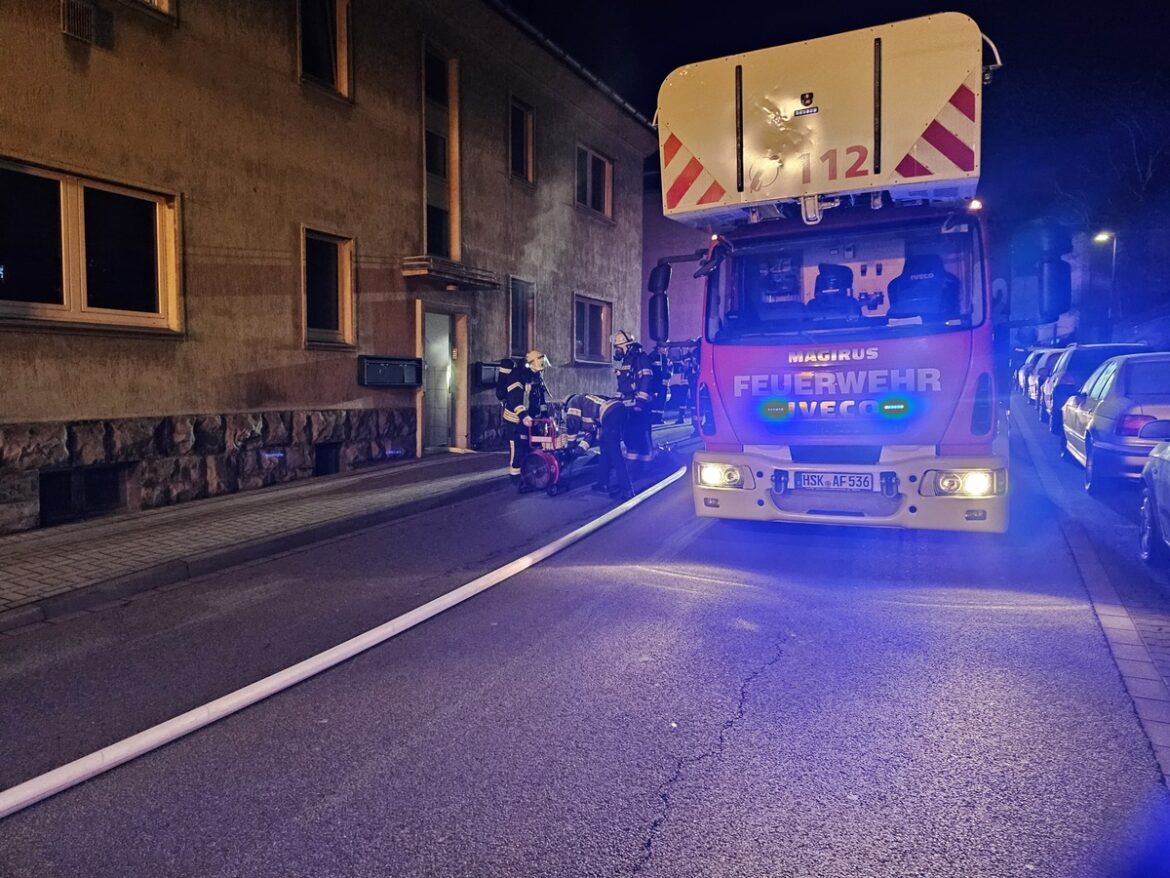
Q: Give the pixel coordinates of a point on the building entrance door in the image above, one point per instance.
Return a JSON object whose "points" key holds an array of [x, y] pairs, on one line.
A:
{"points": [[438, 375]]}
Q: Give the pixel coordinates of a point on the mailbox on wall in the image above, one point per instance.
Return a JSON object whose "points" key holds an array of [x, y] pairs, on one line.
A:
{"points": [[485, 374], [390, 371]]}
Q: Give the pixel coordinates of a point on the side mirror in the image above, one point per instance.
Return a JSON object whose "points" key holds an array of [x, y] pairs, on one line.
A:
{"points": [[709, 263], [1159, 430], [659, 278], [659, 314]]}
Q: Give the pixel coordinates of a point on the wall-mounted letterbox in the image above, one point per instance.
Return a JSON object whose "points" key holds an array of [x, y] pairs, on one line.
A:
{"points": [[390, 371], [485, 374]]}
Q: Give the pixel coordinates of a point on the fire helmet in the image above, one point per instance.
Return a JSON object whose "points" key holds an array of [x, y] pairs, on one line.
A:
{"points": [[622, 341], [536, 361]]}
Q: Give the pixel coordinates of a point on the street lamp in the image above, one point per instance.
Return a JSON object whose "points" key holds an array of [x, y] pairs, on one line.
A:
{"points": [[1104, 237]]}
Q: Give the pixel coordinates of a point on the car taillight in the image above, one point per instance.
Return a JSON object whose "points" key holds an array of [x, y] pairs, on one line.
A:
{"points": [[1131, 425]]}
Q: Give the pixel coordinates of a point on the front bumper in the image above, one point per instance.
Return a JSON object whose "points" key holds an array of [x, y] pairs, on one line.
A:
{"points": [[767, 493]]}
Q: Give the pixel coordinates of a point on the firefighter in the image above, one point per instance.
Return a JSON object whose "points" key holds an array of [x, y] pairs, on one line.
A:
{"points": [[636, 386], [524, 399], [598, 421]]}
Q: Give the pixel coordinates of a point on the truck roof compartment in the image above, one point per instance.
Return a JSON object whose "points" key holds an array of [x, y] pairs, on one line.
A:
{"points": [[894, 108]]}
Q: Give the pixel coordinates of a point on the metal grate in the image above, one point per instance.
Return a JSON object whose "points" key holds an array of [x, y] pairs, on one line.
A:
{"points": [[84, 20], [79, 20]]}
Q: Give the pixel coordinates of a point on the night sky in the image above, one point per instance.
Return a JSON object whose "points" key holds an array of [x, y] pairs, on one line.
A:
{"points": [[1050, 116]]}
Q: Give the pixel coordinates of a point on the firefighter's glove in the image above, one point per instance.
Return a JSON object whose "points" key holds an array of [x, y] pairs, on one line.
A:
{"points": [[527, 421]]}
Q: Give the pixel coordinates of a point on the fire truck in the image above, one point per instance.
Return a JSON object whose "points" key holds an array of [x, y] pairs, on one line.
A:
{"points": [[846, 361]]}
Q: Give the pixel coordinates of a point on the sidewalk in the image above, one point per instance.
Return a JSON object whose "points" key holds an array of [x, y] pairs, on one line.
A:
{"points": [[1132, 602], [55, 572]]}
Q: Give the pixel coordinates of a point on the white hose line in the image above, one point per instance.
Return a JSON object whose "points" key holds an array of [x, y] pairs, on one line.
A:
{"points": [[41, 787]]}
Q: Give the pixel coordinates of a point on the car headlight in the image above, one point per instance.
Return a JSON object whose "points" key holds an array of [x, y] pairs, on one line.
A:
{"points": [[969, 484], [720, 475]]}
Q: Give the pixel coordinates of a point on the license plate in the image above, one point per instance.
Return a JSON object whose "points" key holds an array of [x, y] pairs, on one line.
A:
{"points": [[835, 481]]}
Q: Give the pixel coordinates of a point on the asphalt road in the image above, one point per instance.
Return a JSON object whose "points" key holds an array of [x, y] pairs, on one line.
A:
{"points": [[669, 697]]}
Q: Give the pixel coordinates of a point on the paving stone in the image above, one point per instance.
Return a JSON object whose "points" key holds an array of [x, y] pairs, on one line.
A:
{"points": [[1158, 732], [1143, 670], [1150, 709], [1154, 689]]}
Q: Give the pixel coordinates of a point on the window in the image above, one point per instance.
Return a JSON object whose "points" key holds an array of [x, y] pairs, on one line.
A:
{"points": [[594, 181], [521, 323], [440, 154], [1151, 377], [1099, 386], [325, 43], [520, 141], [591, 322], [81, 251], [436, 147], [328, 288]]}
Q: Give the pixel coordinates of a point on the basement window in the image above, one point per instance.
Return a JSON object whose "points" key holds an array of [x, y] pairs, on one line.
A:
{"points": [[326, 458], [83, 492]]}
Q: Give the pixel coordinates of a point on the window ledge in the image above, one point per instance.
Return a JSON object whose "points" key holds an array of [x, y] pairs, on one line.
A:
{"points": [[170, 16], [325, 90], [37, 325], [312, 344], [595, 215]]}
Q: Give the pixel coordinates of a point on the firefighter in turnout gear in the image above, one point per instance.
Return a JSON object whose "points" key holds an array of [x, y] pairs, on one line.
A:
{"points": [[524, 399], [598, 421], [635, 381]]}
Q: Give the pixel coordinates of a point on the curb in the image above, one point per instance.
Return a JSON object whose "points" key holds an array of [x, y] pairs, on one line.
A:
{"points": [[122, 588]]}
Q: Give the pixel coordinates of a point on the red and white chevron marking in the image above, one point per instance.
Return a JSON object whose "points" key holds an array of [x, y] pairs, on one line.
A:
{"points": [[948, 143], [685, 181]]}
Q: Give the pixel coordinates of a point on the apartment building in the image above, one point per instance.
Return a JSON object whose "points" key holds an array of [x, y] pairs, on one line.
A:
{"points": [[249, 242]]}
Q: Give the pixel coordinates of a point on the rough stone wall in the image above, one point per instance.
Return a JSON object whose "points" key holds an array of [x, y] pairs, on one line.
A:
{"points": [[487, 429], [185, 457]]}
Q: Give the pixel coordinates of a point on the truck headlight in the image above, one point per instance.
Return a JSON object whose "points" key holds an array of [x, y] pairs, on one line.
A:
{"points": [[969, 484], [720, 475]]}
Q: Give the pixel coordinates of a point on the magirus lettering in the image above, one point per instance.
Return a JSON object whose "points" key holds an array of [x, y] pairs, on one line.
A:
{"points": [[833, 355]]}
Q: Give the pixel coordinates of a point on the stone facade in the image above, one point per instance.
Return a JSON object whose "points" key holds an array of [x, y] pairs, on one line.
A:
{"points": [[186, 457]]}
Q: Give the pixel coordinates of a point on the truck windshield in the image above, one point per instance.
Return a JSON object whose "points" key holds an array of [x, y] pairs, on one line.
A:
{"points": [[907, 280]]}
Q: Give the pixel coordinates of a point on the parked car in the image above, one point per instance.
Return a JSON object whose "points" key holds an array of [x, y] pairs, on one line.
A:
{"points": [[1039, 373], [1103, 421], [1069, 372], [1026, 368], [1154, 532]]}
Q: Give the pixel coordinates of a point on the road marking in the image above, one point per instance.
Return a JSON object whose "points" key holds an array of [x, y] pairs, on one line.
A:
{"points": [[73, 773]]}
